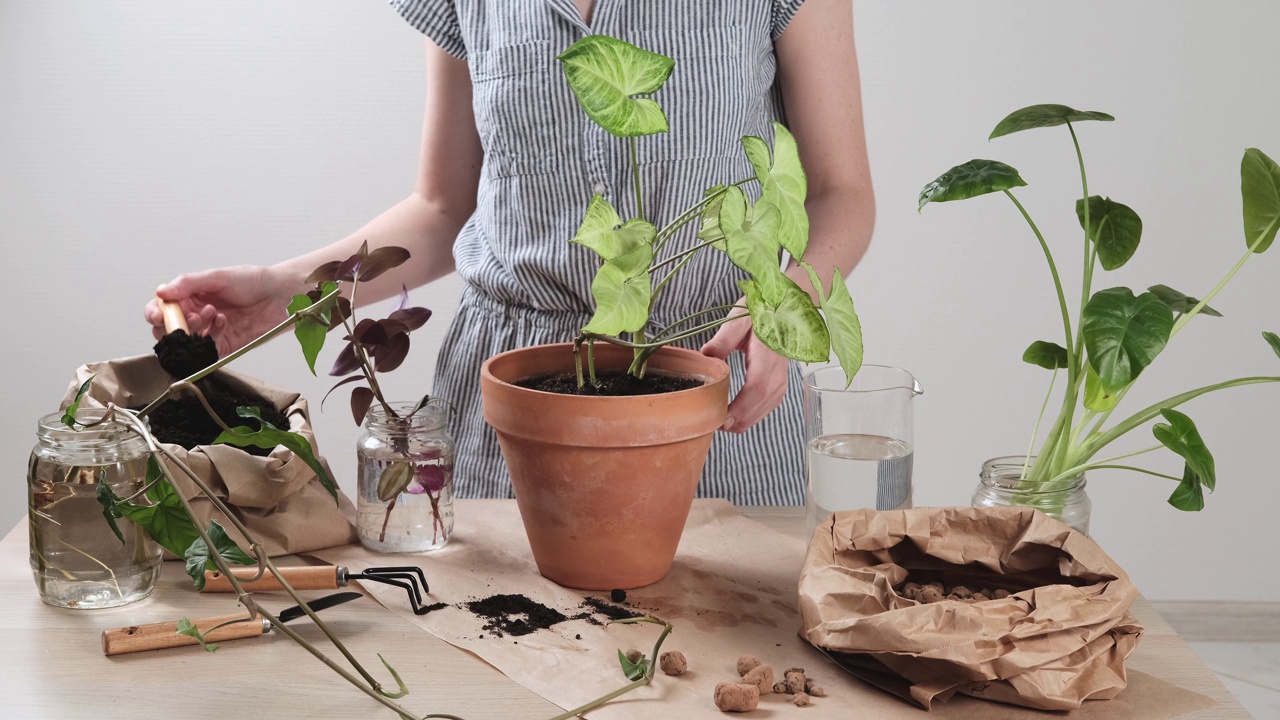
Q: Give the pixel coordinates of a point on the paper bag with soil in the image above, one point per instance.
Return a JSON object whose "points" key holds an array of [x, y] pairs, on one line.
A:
{"points": [[275, 493], [1059, 638]]}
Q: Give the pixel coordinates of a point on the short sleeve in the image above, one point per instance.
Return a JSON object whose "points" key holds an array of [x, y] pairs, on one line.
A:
{"points": [[783, 11], [438, 20]]}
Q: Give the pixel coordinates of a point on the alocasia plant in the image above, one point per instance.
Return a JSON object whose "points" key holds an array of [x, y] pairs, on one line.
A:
{"points": [[1117, 333], [611, 80]]}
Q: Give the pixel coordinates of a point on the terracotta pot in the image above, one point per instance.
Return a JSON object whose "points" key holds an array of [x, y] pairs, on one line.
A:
{"points": [[604, 484]]}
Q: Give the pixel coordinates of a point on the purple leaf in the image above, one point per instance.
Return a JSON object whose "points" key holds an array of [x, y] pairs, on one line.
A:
{"points": [[380, 261], [402, 300], [412, 318], [341, 311], [347, 270], [393, 327], [370, 334], [344, 381], [361, 399], [429, 478], [346, 362], [325, 273], [389, 356]]}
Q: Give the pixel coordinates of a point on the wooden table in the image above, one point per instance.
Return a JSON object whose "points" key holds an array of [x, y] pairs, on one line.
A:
{"points": [[52, 665]]}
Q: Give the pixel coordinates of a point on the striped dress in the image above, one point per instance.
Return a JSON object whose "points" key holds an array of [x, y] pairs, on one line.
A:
{"points": [[543, 160]]}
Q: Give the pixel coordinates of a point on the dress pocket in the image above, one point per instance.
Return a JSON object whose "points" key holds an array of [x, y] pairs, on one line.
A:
{"points": [[514, 88]]}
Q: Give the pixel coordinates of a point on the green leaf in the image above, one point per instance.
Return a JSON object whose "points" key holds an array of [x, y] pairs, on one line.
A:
{"points": [[69, 415], [1096, 397], [186, 628], [710, 229], [394, 478], [974, 178], [1260, 191], [601, 233], [1181, 436], [793, 328], [269, 436], [783, 184], [606, 75], [622, 288], [1189, 495], [1180, 303], [1123, 334], [633, 670], [108, 499], [1273, 340], [1042, 116], [1115, 230], [750, 236], [1050, 356], [843, 326], [198, 556], [310, 330], [165, 520]]}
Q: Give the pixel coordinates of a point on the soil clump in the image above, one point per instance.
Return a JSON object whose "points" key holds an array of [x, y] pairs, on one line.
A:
{"points": [[183, 421]]}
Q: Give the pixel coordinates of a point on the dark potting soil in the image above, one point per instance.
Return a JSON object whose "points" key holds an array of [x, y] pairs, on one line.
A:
{"points": [[514, 614], [618, 595], [613, 612], [609, 384], [183, 420], [182, 355]]}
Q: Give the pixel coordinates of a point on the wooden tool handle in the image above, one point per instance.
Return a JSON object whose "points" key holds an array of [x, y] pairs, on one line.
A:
{"points": [[174, 318], [156, 636], [301, 577]]}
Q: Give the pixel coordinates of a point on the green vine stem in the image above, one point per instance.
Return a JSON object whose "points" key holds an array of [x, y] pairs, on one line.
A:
{"points": [[645, 680]]}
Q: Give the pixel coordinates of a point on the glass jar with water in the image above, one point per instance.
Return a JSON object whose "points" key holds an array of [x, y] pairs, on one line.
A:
{"points": [[405, 494], [859, 445], [77, 560]]}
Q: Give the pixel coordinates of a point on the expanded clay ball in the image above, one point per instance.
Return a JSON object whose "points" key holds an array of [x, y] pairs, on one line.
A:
{"points": [[795, 680], [981, 596], [761, 676], [930, 594], [911, 591], [673, 663], [813, 689], [780, 688], [746, 663], [737, 697], [634, 656], [961, 592], [800, 700], [1001, 594]]}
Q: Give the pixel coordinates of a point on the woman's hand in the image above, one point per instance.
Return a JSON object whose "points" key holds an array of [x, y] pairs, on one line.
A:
{"points": [[233, 305], [766, 381]]}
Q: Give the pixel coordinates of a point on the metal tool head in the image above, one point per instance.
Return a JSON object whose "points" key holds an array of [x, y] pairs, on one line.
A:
{"points": [[328, 601], [409, 578]]}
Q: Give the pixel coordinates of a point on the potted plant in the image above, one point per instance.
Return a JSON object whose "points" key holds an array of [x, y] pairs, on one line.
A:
{"points": [[1114, 336], [605, 479]]}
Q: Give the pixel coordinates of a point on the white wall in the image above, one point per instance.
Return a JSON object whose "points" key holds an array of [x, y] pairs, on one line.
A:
{"points": [[141, 139]]}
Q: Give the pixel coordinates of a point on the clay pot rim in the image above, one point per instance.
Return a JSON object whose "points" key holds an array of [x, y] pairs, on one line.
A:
{"points": [[721, 376]]}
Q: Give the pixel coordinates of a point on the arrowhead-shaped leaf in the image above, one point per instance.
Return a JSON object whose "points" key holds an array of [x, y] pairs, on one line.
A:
{"points": [[69, 415], [1124, 334], [1114, 228], [310, 330], [974, 178], [1189, 495], [198, 555], [606, 74], [268, 436], [1179, 302], [1181, 436], [793, 328], [782, 183], [751, 241], [1042, 116], [600, 231], [710, 228], [1096, 397], [1050, 356], [622, 289], [1260, 191], [165, 520], [843, 326], [1273, 340]]}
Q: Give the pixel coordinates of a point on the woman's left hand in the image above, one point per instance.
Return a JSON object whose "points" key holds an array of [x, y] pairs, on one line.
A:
{"points": [[766, 382]]}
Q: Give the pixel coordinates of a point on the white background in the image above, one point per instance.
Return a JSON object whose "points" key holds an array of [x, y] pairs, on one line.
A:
{"points": [[142, 139]]}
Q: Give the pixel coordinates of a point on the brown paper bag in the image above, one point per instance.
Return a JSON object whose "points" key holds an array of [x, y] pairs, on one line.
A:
{"points": [[278, 497], [1061, 638]]}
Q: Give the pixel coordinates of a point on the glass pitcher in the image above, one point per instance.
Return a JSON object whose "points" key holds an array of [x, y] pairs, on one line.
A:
{"points": [[859, 445]]}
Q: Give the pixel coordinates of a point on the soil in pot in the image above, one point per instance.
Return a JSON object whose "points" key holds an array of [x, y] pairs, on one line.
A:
{"points": [[183, 420], [614, 384]]}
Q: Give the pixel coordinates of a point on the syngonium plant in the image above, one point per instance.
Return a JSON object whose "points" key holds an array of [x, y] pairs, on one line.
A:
{"points": [[612, 80], [1117, 333]]}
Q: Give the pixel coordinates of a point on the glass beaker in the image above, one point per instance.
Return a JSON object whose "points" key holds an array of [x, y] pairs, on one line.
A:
{"points": [[859, 445]]}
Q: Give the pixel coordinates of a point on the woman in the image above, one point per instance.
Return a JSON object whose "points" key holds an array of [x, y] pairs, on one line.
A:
{"points": [[509, 162]]}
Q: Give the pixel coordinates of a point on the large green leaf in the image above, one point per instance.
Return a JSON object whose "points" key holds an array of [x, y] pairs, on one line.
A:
{"points": [[1180, 302], [710, 231], [1042, 116], [165, 520], [782, 183], [1273, 340], [1181, 436], [1189, 495], [974, 178], [843, 327], [1050, 356], [198, 557], [268, 436], [1260, 191], [606, 74], [311, 330], [1115, 230], [793, 328], [750, 236], [600, 231], [622, 289], [1096, 397], [1123, 334]]}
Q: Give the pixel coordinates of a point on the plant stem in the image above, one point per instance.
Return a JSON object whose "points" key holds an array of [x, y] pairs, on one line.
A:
{"points": [[1182, 321], [1135, 469], [694, 332], [1036, 432], [648, 676], [577, 360], [682, 255], [1053, 269], [684, 218], [1073, 471], [687, 318], [591, 361], [635, 177]]}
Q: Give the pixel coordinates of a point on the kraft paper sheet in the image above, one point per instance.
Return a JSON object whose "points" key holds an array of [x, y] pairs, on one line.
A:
{"points": [[732, 591]]}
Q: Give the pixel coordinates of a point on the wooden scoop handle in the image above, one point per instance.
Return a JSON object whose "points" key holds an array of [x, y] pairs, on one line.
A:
{"points": [[157, 636], [301, 577], [174, 318]]}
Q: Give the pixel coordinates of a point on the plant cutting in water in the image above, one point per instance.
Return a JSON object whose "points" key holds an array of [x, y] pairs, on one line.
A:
{"points": [[611, 80], [1116, 333]]}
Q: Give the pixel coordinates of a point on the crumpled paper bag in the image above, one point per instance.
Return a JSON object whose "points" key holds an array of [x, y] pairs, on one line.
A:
{"points": [[278, 497], [1061, 638]]}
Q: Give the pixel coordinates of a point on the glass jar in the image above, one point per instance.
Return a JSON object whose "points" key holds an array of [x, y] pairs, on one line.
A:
{"points": [[77, 560], [1001, 486], [405, 492]]}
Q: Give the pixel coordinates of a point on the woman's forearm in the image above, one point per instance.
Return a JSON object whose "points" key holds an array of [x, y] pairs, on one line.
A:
{"points": [[841, 221]]}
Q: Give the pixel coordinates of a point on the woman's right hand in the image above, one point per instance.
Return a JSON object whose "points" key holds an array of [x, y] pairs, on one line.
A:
{"points": [[233, 305]]}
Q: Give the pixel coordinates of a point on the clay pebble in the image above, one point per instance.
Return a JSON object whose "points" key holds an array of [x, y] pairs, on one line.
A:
{"points": [[673, 663], [800, 700], [737, 697], [761, 676], [746, 663], [795, 680]]}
